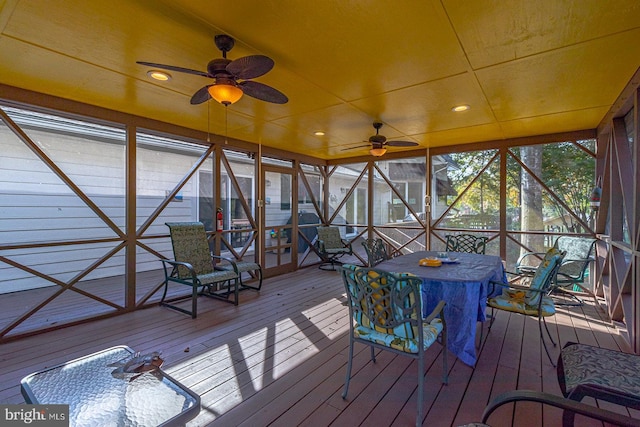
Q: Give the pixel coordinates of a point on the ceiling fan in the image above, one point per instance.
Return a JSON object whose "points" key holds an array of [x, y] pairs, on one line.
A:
{"points": [[379, 142], [232, 78]]}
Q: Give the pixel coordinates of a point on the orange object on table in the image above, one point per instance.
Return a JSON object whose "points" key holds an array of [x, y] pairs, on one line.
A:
{"points": [[430, 262]]}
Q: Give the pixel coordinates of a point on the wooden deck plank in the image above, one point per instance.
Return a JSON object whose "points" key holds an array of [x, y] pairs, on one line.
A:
{"points": [[269, 395], [279, 358], [533, 361], [310, 400], [152, 335], [369, 386], [478, 391], [549, 377], [508, 364], [334, 404], [398, 396], [432, 389], [291, 357]]}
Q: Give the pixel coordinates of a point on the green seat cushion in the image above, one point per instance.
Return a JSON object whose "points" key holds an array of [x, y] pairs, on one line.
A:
{"points": [[216, 277], [336, 250], [242, 266]]}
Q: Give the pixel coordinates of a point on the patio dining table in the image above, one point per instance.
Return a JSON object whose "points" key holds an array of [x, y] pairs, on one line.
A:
{"points": [[463, 284]]}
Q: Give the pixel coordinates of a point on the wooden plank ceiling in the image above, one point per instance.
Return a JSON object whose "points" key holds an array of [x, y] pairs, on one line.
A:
{"points": [[524, 68]]}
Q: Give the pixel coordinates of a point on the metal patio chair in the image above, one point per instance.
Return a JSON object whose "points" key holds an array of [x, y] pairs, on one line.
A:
{"points": [[385, 311], [331, 246], [572, 271], [195, 266], [376, 251], [599, 373], [532, 300], [466, 243], [567, 405]]}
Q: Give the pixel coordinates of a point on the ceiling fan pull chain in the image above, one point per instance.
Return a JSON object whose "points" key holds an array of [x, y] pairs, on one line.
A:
{"points": [[226, 124]]}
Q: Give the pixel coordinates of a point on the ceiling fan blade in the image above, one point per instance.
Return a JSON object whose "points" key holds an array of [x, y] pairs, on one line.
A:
{"points": [[357, 146], [174, 68], [263, 92], [250, 67], [401, 143], [202, 95]]}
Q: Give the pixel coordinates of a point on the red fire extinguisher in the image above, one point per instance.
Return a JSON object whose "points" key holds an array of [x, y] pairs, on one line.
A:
{"points": [[219, 223]]}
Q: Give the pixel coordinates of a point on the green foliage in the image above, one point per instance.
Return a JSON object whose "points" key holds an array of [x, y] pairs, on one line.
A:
{"points": [[483, 197], [570, 173], [567, 170]]}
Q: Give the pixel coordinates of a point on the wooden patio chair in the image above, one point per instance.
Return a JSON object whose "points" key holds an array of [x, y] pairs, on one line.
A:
{"points": [[385, 311], [573, 270], [331, 246], [468, 243], [376, 251], [194, 266], [532, 300]]}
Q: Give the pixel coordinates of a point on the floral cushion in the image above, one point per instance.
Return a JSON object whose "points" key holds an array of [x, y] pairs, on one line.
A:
{"points": [[408, 345], [515, 302], [358, 312], [371, 317], [541, 276]]}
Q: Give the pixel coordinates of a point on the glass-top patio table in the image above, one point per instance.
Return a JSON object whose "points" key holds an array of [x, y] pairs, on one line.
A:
{"points": [[98, 398], [463, 285]]}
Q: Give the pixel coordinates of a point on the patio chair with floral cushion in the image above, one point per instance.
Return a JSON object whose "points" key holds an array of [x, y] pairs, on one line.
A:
{"points": [[385, 311], [193, 266], [532, 300]]}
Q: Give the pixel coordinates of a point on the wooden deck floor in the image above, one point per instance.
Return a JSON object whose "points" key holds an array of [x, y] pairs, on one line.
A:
{"points": [[279, 359]]}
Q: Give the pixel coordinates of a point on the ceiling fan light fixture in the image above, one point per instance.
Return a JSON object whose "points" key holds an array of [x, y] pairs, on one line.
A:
{"points": [[225, 94], [159, 75], [378, 151]]}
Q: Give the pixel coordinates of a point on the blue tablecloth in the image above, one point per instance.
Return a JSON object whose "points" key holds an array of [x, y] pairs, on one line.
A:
{"points": [[463, 285]]}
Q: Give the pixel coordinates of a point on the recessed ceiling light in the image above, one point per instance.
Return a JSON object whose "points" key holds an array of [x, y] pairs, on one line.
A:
{"points": [[318, 133], [459, 108], [159, 75]]}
